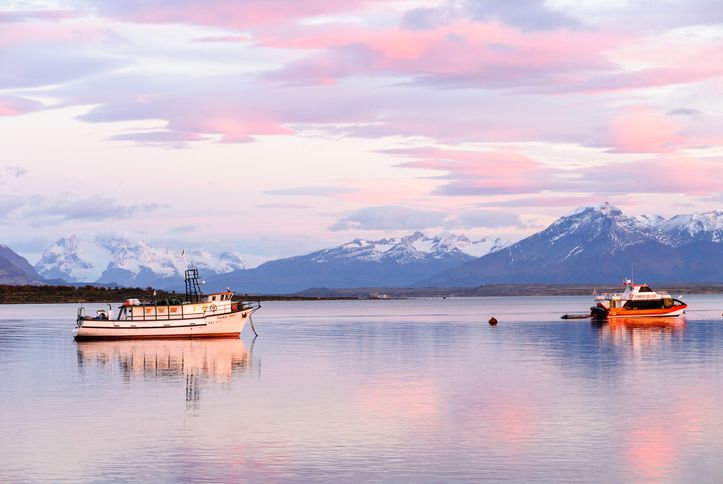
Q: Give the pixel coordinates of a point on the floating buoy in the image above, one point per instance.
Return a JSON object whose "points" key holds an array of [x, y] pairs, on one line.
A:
{"points": [[493, 321]]}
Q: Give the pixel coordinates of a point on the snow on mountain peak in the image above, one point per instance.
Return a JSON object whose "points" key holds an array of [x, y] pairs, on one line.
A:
{"points": [[414, 247], [650, 220], [165, 263], [706, 226], [75, 259], [606, 219], [604, 208]]}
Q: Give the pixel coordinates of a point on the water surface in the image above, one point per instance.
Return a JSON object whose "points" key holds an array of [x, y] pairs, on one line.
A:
{"points": [[419, 390]]}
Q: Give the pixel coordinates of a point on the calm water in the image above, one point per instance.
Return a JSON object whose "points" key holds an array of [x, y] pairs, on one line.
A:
{"points": [[411, 390]]}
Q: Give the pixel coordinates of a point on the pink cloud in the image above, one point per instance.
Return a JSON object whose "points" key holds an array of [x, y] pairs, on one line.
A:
{"points": [[472, 173], [16, 106], [469, 54], [19, 33], [13, 16], [640, 129], [670, 173], [463, 53], [223, 39], [235, 130], [475, 173], [622, 80], [547, 201], [226, 13], [395, 81]]}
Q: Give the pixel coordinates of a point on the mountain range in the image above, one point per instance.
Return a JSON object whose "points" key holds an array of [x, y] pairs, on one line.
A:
{"points": [[600, 244], [392, 262], [588, 245], [133, 264], [15, 269]]}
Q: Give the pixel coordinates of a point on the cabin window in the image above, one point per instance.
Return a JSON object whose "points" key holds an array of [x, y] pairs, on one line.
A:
{"points": [[213, 298], [645, 289], [644, 304]]}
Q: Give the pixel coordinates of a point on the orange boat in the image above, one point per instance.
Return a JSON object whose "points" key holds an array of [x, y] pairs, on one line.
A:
{"points": [[637, 301]]}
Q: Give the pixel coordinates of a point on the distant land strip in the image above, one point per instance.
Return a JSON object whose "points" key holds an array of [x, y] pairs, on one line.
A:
{"points": [[493, 290], [45, 294]]}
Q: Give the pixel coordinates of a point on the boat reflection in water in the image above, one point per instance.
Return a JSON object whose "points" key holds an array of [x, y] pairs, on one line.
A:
{"points": [[214, 360], [640, 333]]}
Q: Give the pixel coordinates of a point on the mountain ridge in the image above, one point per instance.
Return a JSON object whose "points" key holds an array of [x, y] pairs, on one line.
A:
{"points": [[116, 260], [15, 269], [600, 244], [595, 243], [360, 262]]}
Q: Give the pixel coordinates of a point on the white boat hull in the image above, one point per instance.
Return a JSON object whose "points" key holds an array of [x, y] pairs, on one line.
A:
{"points": [[211, 326]]}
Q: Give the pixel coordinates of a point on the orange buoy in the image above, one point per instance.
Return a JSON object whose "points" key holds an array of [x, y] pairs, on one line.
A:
{"points": [[493, 321]]}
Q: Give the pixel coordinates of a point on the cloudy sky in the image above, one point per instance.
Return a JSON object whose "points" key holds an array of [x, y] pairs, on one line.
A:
{"points": [[277, 127]]}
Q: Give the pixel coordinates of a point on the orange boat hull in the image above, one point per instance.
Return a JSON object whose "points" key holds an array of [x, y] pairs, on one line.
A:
{"points": [[677, 310]]}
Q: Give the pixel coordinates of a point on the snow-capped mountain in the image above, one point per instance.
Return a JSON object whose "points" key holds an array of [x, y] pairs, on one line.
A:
{"points": [[139, 264], [601, 244], [607, 221], [15, 269], [76, 260], [683, 229], [116, 260], [590, 244], [361, 263], [411, 248]]}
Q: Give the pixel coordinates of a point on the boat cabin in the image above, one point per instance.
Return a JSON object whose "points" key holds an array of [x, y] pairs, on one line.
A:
{"points": [[636, 297], [210, 304]]}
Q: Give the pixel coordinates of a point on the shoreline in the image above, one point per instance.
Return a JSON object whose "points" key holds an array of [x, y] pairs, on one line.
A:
{"points": [[28, 294]]}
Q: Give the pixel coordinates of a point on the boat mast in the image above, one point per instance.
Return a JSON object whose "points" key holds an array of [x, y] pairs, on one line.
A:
{"points": [[193, 288]]}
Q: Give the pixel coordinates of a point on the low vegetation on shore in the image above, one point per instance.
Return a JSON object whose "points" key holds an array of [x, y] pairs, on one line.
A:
{"points": [[47, 294], [37, 294]]}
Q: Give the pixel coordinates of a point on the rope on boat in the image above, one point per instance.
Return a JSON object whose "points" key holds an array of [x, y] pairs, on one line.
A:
{"points": [[251, 320]]}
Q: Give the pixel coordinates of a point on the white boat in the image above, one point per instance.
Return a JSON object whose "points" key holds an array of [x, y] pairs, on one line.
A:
{"points": [[637, 301], [197, 315]]}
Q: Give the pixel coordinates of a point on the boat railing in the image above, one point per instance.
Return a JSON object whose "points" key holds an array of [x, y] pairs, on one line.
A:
{"points": [[167, 314], [249, 305], [606, 296]]}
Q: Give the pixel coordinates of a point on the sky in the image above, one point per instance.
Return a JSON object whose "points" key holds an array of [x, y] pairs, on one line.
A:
{"points": [[278, 127]]}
